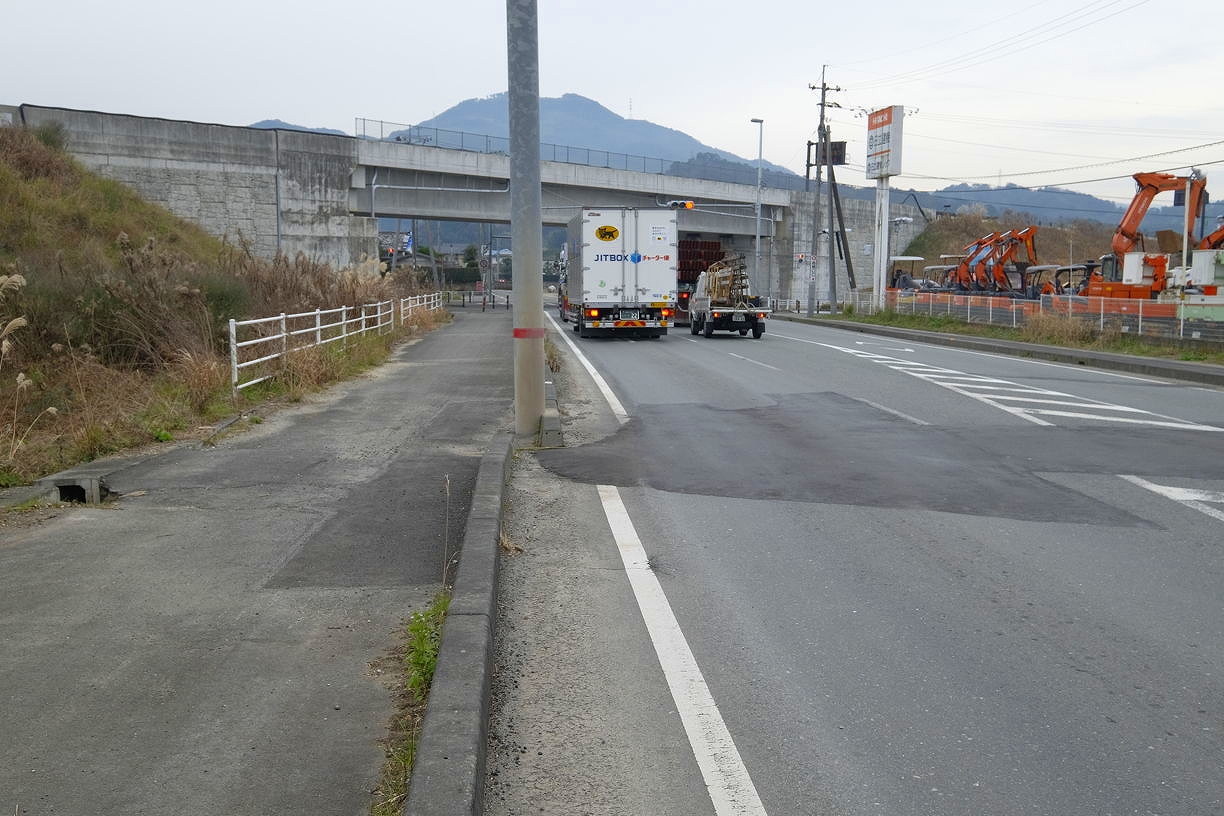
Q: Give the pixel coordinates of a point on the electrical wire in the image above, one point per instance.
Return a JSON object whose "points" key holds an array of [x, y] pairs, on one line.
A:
{"points": [[992, 51]]}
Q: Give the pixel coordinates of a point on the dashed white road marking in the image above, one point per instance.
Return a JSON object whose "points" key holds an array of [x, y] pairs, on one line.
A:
{"points": [[1194, 499], [754, 362], [726, 777], [892, 411]]}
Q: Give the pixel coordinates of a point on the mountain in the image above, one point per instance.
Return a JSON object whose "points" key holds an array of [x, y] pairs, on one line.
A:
{"points": [[277, 124]]}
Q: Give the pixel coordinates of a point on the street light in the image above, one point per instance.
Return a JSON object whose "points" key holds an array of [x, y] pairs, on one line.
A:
{"points": [[901, 219], [756, 267]]}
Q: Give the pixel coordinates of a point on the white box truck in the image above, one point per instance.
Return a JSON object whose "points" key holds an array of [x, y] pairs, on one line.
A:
{"points": [[620, 272]]}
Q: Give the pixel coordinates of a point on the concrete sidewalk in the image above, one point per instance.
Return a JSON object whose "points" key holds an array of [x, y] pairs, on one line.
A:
{"points": [[208, 643]]}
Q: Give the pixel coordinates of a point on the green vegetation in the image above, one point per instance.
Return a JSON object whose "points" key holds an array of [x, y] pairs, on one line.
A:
{"points": [[417, 661], [113, 315]]}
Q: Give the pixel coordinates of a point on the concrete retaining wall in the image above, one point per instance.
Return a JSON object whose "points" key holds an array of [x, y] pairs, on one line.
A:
{"points": [[281, 191]]}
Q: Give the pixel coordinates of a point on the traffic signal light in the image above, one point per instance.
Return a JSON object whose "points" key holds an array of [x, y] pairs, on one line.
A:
{"points": [[680, 205]]}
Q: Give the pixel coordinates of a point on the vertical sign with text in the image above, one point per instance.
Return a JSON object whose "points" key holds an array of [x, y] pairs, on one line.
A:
{"points": [[884, 142]]}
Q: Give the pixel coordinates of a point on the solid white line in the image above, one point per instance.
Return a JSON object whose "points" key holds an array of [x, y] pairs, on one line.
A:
{"points": [[618, 410], [763, 365], [726, 777], [1182, 495]]}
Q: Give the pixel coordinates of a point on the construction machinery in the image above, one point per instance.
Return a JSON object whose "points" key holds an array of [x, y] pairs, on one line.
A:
{"points": [[962, 278], [1144, 274]]}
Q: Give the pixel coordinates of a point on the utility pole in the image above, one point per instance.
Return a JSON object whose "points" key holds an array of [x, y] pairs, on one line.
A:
{"points": [[526, 219], [822, 140]]}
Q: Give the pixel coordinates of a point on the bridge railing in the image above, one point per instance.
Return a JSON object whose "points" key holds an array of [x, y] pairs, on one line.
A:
{"points": [[589, 157]]}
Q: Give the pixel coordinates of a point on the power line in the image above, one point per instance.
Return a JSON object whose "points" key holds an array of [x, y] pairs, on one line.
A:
{"points": [[1103, 163], [1057, 184], [992, 52]]}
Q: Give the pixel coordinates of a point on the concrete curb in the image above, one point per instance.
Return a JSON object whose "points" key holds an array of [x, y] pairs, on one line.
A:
{"points": [[1204, 373], [448, 776]]}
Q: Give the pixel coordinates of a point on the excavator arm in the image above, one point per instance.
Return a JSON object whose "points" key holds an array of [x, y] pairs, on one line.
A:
{"points": [[1213, 241], [1006, 250], [1151, 185], [964, 276]]}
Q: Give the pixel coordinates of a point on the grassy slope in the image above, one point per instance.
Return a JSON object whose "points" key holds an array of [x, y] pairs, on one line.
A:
{"points": [[125, 305]]}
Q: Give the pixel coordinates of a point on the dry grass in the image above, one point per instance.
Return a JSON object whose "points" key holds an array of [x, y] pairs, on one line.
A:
{"points": [[114, 315], [1058, 330], [552, 355]]}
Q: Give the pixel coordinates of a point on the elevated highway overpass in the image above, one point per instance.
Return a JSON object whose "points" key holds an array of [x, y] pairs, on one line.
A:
{"points": [[321, 194]]}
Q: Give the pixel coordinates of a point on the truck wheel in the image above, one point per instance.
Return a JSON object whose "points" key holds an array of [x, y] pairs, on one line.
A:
{"points": [[743, 332], [707, 327], [564, 316], [694, 326], [757, 331], [578, 327]]}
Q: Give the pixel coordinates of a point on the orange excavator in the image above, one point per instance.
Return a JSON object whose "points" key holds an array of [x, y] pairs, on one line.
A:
{"points": [[993, 272], [1107, 281], [965, 277], [1214, 240]]}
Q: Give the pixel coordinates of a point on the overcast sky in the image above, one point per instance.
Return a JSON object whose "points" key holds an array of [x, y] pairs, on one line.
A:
{"points": [[993, 92]]}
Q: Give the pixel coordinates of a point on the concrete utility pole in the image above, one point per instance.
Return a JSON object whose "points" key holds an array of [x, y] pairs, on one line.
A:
{"points": [[822, 139], [756, 267], [526, 218]]}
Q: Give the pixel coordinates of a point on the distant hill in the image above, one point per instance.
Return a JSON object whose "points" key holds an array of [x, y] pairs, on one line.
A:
{"points": [[577, 121], [277, 124]]}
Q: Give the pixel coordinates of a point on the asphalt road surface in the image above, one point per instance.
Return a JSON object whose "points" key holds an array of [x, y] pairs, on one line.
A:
{"points": [[912, 579]]}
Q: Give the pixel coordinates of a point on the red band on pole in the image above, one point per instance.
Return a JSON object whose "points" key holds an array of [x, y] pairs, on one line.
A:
{"points": [[528, 333]]}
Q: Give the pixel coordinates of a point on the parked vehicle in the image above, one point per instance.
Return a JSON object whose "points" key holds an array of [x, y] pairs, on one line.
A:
{"points": [[620, 272], [722, 301]]}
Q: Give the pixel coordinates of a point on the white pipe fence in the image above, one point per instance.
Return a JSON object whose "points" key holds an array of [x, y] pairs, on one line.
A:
{"points": [[1186, 320], [266, 339]]}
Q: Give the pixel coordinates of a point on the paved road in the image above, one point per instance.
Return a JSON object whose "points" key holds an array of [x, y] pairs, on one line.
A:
{"points": [[205, 644], [915, 579]]}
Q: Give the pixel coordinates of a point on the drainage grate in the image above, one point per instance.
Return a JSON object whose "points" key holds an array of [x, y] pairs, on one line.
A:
{"points": [[78, 489]]}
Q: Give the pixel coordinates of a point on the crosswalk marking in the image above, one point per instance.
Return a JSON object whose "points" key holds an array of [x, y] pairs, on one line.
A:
{"points": [[1200, 500], [1041, 403]]}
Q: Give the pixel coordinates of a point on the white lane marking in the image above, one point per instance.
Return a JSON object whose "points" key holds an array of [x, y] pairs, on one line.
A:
{"points": [[1101, 406], [618, 410], [1029, 360], [892, 411], [754, 362], [1184, 495], [1183, 426], [963, 383], [1067, 366], [726, 777]]}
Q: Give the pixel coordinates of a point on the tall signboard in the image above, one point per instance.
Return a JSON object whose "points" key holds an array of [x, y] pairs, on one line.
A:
{"points": [[884, 142], [883, 160]]}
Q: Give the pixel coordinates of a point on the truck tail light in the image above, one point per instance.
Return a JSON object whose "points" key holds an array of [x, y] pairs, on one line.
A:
{"points": [[592, 313], [760, 315], [667, 312], [715, 314]]}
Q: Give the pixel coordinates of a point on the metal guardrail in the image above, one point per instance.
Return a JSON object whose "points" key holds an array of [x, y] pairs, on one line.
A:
{"points": [[466, 297], [566, 154], [274, 338], [1185, 321]]}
